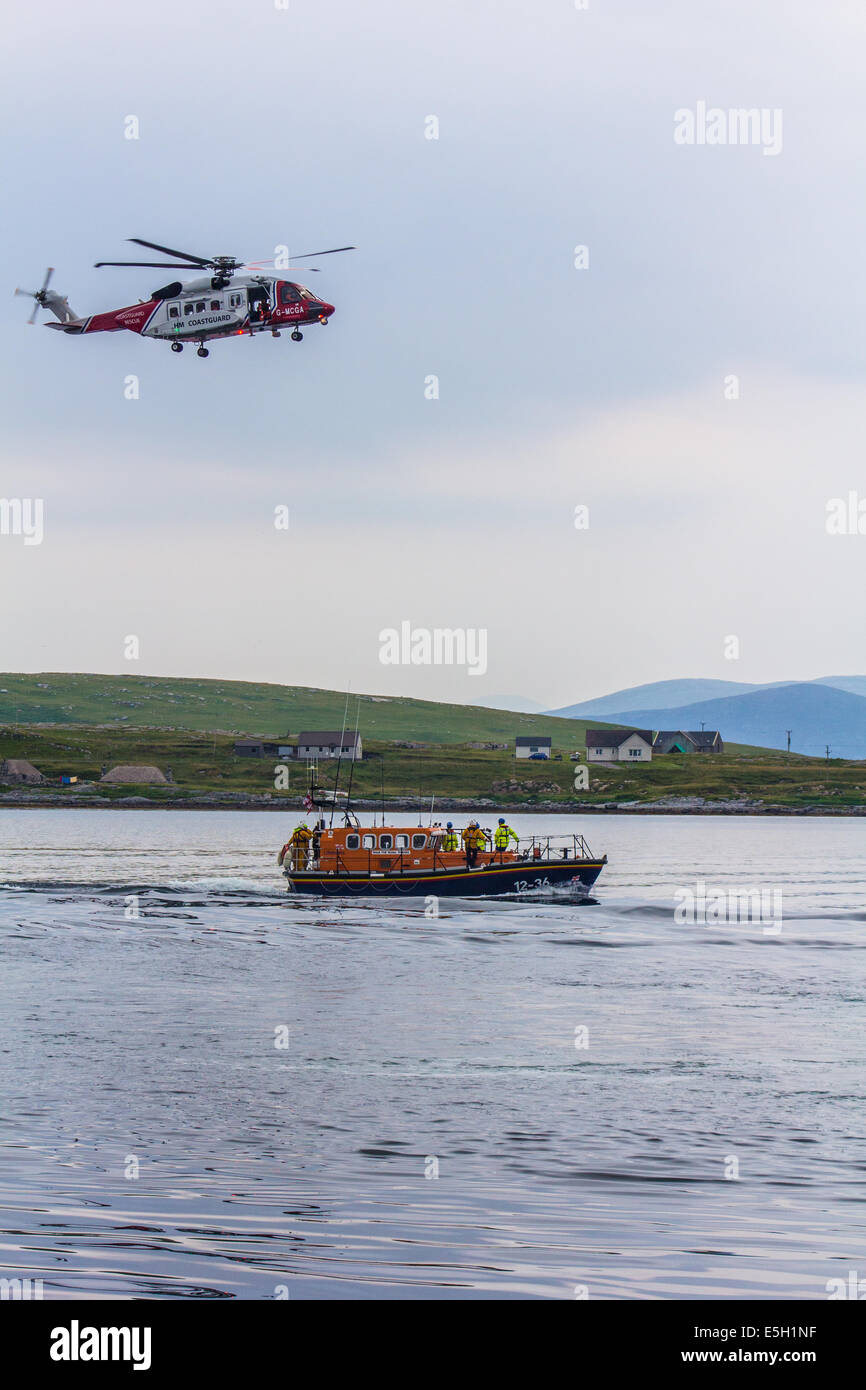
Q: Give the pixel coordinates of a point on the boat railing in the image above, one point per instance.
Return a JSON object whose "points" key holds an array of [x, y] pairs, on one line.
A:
{"points": [[553, 847], [543, 848]]}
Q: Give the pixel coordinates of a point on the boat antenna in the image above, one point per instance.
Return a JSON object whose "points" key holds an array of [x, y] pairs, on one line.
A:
{"points": [[354, 756], [339, 758], [432, 800], [382, 765]]}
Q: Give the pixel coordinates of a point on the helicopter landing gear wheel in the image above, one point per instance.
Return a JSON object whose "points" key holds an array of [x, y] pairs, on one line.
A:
{"points": [[177, 347], [203, 352], [297, 335], [275, 333]]}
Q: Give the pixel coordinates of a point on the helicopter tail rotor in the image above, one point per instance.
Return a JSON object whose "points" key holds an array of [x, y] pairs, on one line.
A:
{"points": [[56, 304], [39, 296]]}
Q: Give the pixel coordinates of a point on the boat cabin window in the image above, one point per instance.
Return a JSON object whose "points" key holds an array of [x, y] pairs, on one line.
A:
{"points": [[369, 842], [386, 841], [419, 841], [401, 841], [174, 311], [353, 841]]}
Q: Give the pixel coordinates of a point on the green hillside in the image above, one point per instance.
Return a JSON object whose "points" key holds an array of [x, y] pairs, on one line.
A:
{"points": [[241, 707]]}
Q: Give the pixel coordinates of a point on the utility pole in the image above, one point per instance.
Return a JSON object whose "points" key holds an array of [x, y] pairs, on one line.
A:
{"points": [[827, 751], [788, 732]]}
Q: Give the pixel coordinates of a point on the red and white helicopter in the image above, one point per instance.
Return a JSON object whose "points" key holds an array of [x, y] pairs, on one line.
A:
{"points": [[233, 297]]}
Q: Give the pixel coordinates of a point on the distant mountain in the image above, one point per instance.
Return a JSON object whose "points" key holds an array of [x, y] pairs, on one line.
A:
{"points": [[656, 695], [816, 713], [855, 685]]}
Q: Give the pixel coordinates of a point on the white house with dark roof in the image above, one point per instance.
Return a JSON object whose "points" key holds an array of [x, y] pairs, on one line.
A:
{"points": [[534, 744], [329, 743], [619, 745]]}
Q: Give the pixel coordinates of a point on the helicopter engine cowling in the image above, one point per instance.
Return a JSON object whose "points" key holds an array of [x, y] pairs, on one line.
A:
{"points": [[168, 291]]}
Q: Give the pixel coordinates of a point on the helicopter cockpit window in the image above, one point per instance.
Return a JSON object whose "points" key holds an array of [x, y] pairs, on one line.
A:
{"points": [[288, 294], [307, 294]]}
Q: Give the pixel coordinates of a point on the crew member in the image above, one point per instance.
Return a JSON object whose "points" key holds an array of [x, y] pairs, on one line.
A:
{"points": [[503, 835], [450, 841], [470, 844], [482, 839], [298, 846]]}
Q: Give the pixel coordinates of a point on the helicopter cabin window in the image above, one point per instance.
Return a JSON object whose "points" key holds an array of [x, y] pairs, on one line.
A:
{"points": [[174, 311], [188, 309], [234, 300], [401, 841], [215, 304], [353, 841], [368, 842], [288, 294], [199, 308], [386, 841], [419, 841]]}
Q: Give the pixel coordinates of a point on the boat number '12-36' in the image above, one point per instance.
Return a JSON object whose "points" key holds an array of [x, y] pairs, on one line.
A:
{"points": [[521, 886]]}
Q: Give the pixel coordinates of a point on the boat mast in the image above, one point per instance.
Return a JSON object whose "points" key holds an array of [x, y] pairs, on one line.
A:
{"points": [[339, 759], [354, 756]]}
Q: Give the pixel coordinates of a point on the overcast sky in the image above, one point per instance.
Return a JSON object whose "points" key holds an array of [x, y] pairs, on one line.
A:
{"points": [[559, 387]]}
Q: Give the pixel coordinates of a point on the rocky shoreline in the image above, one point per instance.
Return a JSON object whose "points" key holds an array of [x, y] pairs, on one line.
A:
{"points": [[242, 801]]}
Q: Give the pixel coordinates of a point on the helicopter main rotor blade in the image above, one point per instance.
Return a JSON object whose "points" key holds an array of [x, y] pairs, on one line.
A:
{"points": [[168, 251], [48, 274], [155, 265], [333, 251]]}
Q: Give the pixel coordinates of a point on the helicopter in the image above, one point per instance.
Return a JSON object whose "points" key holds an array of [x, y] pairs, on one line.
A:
{"points": [[232, 297]]}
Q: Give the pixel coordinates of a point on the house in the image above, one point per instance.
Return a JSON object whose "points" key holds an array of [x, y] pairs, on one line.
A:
{"points": [[530, 746], [688, 741], [140, 773], [249, 748], [619, 745], [707, 741], [328, 743], [16, 771]]}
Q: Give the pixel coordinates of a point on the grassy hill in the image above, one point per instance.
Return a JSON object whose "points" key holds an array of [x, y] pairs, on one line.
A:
{"points": [[241, 707], [78, 724]]}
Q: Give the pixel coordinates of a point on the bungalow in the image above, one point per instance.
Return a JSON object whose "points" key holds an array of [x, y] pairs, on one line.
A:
{"points": [[531, 747], [688, 741], [249, 748], [619, 745], [327, 743]]}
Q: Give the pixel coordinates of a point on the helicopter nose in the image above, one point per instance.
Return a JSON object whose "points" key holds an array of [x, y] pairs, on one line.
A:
{"points": [[325, 311]]}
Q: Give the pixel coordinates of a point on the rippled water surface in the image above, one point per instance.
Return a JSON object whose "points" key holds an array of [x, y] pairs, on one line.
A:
{"points": [[415, 1045]]}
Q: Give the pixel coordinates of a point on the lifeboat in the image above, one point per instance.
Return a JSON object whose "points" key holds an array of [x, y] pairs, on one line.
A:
{"points": [[398, 860]]}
